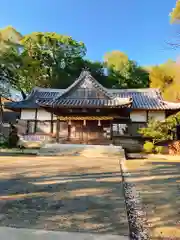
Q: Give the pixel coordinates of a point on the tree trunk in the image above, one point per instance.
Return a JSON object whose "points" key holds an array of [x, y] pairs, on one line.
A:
{"points": [[23, 94]]}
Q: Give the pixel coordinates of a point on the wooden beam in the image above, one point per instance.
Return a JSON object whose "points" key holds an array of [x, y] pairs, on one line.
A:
{"points": [[68, 118]]}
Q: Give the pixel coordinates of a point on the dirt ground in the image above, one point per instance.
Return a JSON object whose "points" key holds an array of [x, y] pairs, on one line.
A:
{"points": [[158, 182], [70, 193]]}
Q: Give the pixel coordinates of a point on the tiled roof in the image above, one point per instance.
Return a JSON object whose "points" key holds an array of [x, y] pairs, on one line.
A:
{"points": [[122, 102], [84, 77], [147, 98], [36, 94]]}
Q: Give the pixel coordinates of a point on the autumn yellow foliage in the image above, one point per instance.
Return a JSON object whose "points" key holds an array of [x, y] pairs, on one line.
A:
{"points": [[175, 14]]}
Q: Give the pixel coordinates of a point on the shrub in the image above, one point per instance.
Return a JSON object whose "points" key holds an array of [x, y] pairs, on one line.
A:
{"points": [[159, 149], [148, 147], [4, 144], [13, 138], [161, 131]]}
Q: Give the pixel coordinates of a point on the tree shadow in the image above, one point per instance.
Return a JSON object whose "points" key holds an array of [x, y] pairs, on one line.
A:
{"points": [[158, 184], [83, 202]]}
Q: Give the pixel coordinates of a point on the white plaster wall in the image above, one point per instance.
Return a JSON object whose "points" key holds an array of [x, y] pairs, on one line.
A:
{"points": [[43, 115], [157, 115], [28, 114], [138, 116]]}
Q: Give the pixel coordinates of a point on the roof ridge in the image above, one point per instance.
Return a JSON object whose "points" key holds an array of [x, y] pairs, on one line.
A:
{"points": [[81, 77]]}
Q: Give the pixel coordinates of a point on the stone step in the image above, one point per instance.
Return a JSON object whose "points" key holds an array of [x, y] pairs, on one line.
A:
{"points": [[80, 150]]}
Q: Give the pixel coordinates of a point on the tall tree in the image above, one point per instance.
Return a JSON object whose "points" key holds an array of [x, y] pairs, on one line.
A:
{"points": [[9, 37], [96, 68], [175, 14], [124, 72], [116, 60], [166, 78], [13, 71], [42, 59], [4, 92], [55, 54]]}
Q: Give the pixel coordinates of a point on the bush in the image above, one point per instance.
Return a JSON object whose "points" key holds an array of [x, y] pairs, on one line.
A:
{"points": [[161, 131], [4, 144], [159, 149], [13, 138], [148, 147]]}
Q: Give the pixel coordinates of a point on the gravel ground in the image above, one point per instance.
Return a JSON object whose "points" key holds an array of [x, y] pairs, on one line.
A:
{"points": [[137, 218], [157, 182], [70, 193]]}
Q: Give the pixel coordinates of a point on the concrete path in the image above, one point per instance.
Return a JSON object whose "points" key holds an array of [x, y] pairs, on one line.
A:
{"points": [[27, 234]]}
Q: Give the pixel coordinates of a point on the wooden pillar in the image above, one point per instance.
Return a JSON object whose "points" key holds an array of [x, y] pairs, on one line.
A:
{"points": [[35, 123], [57, 130], [69, 131], [52, 123], [82, 130], [111, 129], [27, 127]]}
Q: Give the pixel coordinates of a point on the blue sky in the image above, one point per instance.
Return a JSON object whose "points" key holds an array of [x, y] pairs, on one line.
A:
{"points": [[140, 28]]}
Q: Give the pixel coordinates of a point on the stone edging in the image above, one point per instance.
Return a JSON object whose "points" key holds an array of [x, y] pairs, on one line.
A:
{"points": [[19, 151], [136, 216]]}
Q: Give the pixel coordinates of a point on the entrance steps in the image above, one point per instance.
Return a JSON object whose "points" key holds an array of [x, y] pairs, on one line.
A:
{"points": [[56, 149]]}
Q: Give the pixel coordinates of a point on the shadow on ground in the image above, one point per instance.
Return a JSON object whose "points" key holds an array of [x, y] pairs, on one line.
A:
{"points": [[158, 182], [76, 198]]}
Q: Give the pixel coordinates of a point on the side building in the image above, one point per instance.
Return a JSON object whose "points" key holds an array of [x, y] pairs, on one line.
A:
{"points": [[88, 112], [7, 117]]}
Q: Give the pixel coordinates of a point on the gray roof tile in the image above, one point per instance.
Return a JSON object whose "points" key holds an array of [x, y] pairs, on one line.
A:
{"points": [[86, 102], [147, 98]]}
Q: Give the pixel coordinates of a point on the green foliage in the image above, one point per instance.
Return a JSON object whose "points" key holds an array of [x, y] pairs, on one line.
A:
{"points": [[44, 59], [9, 37], [4, 92], [48, 59], [148, 147], [125, 73], [159, 149], [4, 144], [154, 130], [161, 131]]}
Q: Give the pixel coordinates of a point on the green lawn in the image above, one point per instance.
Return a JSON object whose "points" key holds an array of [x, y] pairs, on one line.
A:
{"points": [[158, 182]]}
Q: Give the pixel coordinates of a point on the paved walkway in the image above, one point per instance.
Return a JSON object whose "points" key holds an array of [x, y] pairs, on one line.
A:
{"points": [[27, 234]]}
